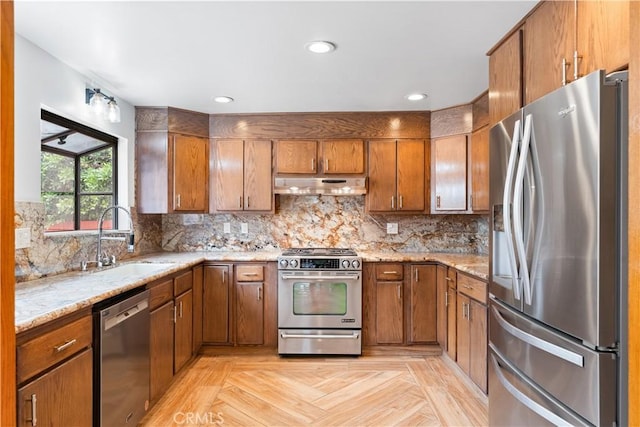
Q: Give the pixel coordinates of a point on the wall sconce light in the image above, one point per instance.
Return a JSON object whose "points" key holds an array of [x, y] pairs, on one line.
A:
{"points": [[102, 105]]}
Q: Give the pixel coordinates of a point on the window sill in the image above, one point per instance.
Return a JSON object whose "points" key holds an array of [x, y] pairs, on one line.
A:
{"points": [[81, 233]]}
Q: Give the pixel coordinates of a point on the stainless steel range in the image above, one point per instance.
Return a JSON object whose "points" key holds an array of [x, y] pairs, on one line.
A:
{"points": [[319, 301]]}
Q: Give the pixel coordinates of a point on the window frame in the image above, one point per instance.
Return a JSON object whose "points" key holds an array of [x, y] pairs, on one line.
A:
{"points": [[111, 142]]}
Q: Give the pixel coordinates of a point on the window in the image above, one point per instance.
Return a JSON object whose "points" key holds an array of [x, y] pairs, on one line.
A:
{"points": [[78, 174]]}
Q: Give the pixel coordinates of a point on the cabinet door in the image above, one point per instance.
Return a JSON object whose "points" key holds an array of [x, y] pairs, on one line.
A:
{"points": [[603, 35], [478, 344], [381, 196], [190, 173], [296, 156], [389, 313], [423, 304], [63, 396], [183, 330], [198, 283], [161, 349], [480, 170], [505, 78], [548, 38], [249, 313], [411, 175], [215, 309], [441, 310], [228, 169], [463, 332], [450, 173], [452, 344], [343, 156], [258, 194]]}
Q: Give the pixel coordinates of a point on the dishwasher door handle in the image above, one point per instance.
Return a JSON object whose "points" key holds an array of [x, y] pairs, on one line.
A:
{"points": [[125, 314]]}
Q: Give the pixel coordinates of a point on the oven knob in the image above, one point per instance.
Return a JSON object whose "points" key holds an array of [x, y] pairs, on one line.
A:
{"points": [[284, 263], [293, 263], [355, 263], [345, 263]]}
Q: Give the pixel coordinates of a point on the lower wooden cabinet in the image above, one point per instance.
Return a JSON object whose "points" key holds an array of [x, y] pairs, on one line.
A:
{"points": [[389, 285], [216, 303], [240, 304], [183, 340], [451, 296], [61, 397], [54, 372], [161, 350], [171, 336], [472, 329], [399, 303], [198, 283], [249, 313], [422, 317]]}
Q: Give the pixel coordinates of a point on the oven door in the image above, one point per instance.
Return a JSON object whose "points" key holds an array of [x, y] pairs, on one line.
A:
{"points": [[320, 299]]}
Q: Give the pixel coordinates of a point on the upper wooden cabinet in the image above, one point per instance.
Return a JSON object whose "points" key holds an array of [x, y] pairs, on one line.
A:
{"points": [[296, 156], [329, 156], [548, 39], [449, 174], [398, 175], [532, 61], [603, 35], [241, 175], [172, 151], [342, 156], [479, 169]]}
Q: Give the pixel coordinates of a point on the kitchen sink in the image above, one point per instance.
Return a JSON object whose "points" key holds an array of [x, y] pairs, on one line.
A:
{"points": [[132, 269]]}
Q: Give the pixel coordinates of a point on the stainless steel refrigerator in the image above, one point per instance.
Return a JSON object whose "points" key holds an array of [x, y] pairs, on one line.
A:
{"points": [[558, 256]]}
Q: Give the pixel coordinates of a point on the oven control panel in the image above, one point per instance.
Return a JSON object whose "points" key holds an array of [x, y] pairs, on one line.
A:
{"points": [[318, 263]]}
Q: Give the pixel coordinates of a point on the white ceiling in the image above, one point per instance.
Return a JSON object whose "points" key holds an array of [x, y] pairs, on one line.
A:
{"points": [[182, 54]]}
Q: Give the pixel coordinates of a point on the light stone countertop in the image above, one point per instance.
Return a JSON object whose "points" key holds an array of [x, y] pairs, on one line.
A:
{"points": [[42, 300]]}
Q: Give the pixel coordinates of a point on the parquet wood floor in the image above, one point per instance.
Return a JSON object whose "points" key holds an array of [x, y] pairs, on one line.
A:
{"points": [[372, 390]]}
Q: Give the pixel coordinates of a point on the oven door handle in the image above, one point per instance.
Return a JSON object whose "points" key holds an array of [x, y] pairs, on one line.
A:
{"points": [[353, 336], [343, 277]]}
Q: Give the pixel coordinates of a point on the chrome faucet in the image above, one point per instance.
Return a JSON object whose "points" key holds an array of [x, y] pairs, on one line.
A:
{"points": [[105, 260]]}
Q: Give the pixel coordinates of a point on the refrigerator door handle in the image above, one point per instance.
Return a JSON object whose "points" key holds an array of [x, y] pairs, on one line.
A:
{"points": [[506, 208], [538, 343], [540, 214], [524, 399], [517, 209]]}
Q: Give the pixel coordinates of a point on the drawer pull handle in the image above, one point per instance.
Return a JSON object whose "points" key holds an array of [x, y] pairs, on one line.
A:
{"points": [[448, 279], [390, 272], [65, 346], [249, 274], [34, 418]]}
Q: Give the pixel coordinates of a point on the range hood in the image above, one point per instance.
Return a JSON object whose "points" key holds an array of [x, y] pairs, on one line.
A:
{"points": [[335, 186]]}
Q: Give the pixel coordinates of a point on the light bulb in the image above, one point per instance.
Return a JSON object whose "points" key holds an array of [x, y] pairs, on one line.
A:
{"points": [[113, 111]]}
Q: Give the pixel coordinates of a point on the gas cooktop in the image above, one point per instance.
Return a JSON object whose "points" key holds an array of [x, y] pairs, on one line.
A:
{"points": [[319, 259], [324, 252]]}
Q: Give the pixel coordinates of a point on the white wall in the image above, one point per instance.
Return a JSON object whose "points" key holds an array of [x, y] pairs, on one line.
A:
{"points": [[42, 81]]}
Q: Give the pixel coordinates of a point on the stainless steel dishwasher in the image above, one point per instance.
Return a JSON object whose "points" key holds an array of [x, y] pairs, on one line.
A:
{"points": [[122, 360]]}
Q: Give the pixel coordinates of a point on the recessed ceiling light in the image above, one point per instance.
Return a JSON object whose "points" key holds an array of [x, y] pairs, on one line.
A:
{"points": [[320, 46], [416, 96], [223, 99]]}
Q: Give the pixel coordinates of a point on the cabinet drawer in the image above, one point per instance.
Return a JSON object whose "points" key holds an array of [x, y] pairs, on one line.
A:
{"points": [[161, 293], [52, 347], [183, 283], [389, 272], [249, 273], [474, 288]]}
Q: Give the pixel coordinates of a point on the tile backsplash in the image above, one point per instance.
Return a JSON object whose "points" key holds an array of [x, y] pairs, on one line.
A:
{"points": [[300, 221]]}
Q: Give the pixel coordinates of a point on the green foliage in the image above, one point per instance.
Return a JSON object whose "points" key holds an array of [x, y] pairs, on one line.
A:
{"points": [[58, 188]]}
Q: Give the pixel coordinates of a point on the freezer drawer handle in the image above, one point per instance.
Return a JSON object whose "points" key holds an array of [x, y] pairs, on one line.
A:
{"points": [[541, 344], [524, 399], [353, 336]]}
